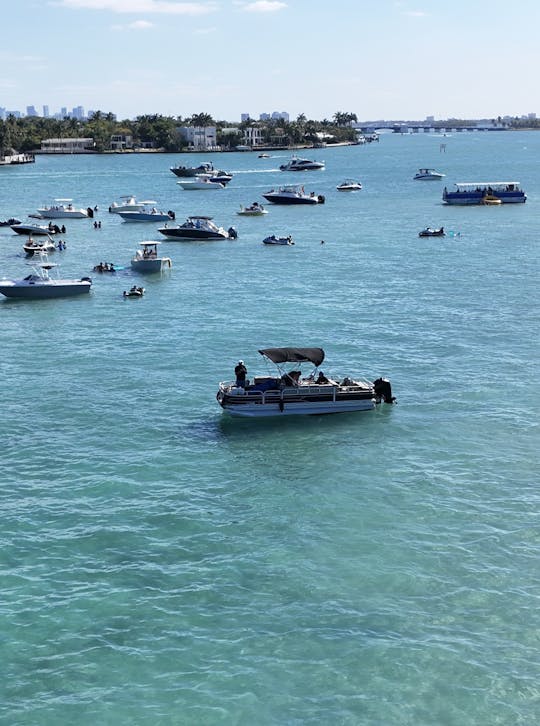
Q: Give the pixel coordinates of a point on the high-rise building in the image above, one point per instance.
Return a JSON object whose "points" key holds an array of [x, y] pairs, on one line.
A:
{"points": [[45, 112], [31, 111]]}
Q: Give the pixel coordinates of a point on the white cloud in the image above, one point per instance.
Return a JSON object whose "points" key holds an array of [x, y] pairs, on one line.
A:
{"points": [[264, 6], [135, 25], [166, 7]]}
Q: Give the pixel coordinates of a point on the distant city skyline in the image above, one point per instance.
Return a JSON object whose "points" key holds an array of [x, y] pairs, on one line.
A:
{"points": [[395, 59]]}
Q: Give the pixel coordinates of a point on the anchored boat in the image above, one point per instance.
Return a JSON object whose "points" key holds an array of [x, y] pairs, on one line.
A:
{"points": [[289, 393]]}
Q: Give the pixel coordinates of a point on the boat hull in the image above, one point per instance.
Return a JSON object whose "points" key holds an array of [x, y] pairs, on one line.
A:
{"points": [[282, 199], [297, 408], [150, 266], [63, 213], [191, 234], [142, 217]]}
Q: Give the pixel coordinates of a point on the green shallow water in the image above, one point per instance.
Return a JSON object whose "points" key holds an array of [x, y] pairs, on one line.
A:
{"points": [[165, 564]]}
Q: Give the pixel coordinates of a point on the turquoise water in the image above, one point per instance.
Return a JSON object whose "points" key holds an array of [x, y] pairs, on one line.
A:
{"points": [[164, 564]]}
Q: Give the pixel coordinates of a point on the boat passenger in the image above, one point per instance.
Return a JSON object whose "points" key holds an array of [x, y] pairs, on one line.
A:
{"points": [[240, 372]]}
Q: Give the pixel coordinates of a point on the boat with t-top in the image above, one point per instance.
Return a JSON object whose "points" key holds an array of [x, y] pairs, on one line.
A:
{"points": [[476, 193], [128, 203], [289, 392], [64, 209], [146, 259], [40, 284]]}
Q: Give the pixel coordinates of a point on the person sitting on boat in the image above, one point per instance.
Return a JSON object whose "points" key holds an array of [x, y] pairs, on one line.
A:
{"points": [[321, 378], [240, 372]]}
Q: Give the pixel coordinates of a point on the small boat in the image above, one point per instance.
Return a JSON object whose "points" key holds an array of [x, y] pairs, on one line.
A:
{"points": [[147, 260], [128, 203], [32, 246], [200, 183], [198, 227], [134, 292], [428, 174], [298, 164], [63, 208], [491, 200], [429, 232], [39, 285], [9, 222], [147, 214], [187, 171], [264, 156], [475, 192], [273, 240], [37, 230], [290, 393], [293, 195], [349, 185], [254, 210]]}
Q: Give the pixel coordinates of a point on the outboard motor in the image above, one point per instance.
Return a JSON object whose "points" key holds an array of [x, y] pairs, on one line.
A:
{"points": [[321, 199], [233, 234], [171, 214], [383, 390]]}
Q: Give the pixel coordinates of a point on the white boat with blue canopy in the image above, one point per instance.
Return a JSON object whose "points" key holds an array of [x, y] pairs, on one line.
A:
{"points": [[476, 193], [291, 393]]}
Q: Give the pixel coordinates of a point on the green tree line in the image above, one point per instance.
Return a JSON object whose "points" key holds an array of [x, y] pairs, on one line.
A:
{"points": [[26, 134]]}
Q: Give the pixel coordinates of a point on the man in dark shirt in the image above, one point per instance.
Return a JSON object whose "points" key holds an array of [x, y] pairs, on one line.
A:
{"points": [[240, 372]]}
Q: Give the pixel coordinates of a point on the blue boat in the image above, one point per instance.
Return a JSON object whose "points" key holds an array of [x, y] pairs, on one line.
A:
{"points": [[476, 193]]}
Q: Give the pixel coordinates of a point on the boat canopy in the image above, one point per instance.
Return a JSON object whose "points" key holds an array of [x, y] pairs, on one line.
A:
{"points": [[294, 355], [473, 185]]}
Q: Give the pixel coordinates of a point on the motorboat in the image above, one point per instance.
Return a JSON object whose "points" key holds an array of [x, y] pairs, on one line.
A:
{"points": [[198, 227], [466, 193], [147, 214], [63, 208], [134, 291], [128, 203], [254, 210], [289, 392], [264, 155], [147, 259], [187, 171], [40, 285], [428, 174], [349, 185], [9, 222], [106, 267], [200, 183], [293, 195], [491, 200], [430, 232], [36, 230], [32, 246], [298, 164], [273, 240]]}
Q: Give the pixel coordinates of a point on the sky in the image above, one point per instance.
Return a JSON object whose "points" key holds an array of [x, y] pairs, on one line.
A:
{"points": [[379, 59]]}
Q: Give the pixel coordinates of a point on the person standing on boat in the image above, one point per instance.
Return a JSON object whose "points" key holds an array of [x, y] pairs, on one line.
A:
{"points": [[240, 372]]}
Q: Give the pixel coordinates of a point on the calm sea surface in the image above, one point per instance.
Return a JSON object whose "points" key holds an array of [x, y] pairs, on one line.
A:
{"points": [[163, 564]]}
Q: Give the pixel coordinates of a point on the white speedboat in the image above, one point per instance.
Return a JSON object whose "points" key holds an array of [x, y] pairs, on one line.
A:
{"points": [[33, 246], [293, 195], [36, 230], [273, 240], [201, 183], [147, 259], [147, 214], [428, 174], [40, 285], [198, 227], [64, 209], [289, 393], [298, 164], [128, 203], [254, 210], [349, 185]]}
